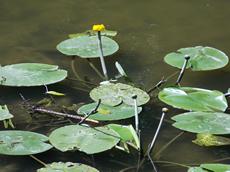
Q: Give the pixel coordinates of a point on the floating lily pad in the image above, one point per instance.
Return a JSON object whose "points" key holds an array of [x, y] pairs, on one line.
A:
{"points": [[22, 143], [31, 74], [114, 94], [211, 140], [195, 99], [67, 167], [87, 46], [85, 139], [201, 58], [196, 169], [108, 113], [4, 113], [203, 122], [216, 167], [127, 134]]}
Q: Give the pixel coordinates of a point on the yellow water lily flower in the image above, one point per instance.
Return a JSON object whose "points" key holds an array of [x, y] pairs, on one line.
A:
{"points": [[98, 27]]}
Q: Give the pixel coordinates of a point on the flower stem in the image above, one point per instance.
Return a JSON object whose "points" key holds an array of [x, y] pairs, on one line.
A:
{"points": [[183, 69], [102, 56], [151, 146]]}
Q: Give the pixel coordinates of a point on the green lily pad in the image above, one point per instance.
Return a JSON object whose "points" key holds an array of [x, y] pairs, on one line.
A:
{"points": [[216, 167], [195, 99], [201, 58], [108, 113], [196, 169], [85, 139], [127, 134], [14, 142], [30, 74], [4, 113], [203, 122], [87, 46], [67, 167], [211, 140], [114, 94]]}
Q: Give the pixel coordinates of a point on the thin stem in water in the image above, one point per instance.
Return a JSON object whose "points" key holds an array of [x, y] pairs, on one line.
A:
{"points": [[75, 71], [158, 154], [38, 160], [95, 69], [173, 163]]}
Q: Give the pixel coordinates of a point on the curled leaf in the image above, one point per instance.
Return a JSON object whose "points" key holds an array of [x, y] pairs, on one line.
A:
{"points": [[55, 93]]}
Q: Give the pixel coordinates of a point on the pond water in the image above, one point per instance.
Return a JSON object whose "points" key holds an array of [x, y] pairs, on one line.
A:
{"points": [[148, 29]]}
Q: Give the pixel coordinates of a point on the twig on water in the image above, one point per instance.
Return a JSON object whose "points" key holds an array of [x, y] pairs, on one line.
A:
{"points": [[32, 109], [182, 70], [162, 81]]}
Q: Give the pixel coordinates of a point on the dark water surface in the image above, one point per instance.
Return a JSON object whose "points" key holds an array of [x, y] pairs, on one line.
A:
{"points": [[148, 29]]}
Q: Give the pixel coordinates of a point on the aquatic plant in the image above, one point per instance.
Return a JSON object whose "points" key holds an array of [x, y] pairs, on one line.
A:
{"points": [[114, 101]]}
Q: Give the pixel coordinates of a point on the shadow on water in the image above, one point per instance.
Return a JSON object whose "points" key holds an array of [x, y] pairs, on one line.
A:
{"points": [[30, 31]]}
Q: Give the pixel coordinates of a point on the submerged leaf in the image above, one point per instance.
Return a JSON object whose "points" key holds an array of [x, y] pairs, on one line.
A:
{"points": [[22, 143], [107, 113], [114, 94], [203, 122], [201, 58], [31, 74], [211, 140], [87, 46], [86, 139], [195, 99], [67, 167]]}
